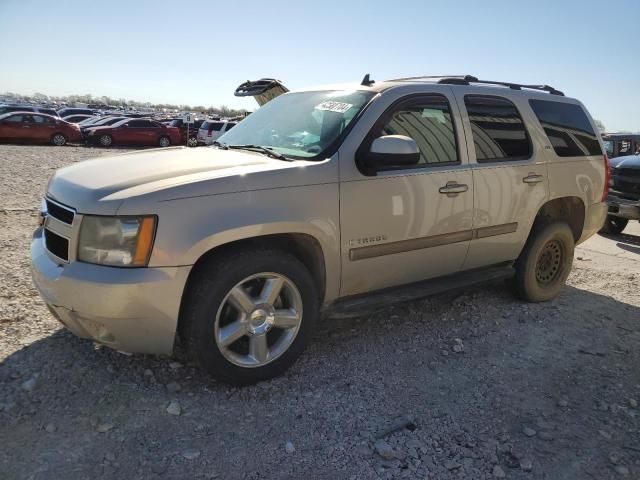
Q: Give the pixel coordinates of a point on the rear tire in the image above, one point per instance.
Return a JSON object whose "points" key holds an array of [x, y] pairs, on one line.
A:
{"points": [[545, 262], [614, 225], [105, 140], [58, 139], [211, 304], [164, 141]]}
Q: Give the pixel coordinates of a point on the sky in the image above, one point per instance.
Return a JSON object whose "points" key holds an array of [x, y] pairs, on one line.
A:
{"points": [[198, 52]]}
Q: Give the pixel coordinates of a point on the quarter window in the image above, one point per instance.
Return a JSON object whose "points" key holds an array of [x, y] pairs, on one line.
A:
{"points": [[498, 131], [429, 123], [567, 128]]}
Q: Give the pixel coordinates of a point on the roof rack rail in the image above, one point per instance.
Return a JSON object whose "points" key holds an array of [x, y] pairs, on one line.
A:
{"points": [[424, 77], [468, 79]]}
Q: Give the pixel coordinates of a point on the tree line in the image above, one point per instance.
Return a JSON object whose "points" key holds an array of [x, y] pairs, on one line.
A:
{"points": [[38, 97]]}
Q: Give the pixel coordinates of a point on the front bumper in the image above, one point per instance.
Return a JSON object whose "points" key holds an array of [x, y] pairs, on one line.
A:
{"points": [[129, 309], [623, 207]]}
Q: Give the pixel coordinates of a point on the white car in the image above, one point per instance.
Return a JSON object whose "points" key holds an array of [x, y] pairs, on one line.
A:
{"points": [[211, 130]]}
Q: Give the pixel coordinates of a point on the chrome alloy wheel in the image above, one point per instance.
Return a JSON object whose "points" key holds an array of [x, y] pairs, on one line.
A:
{"points": [[59, 140], [164, 142], [106, 140], [258, 319]]}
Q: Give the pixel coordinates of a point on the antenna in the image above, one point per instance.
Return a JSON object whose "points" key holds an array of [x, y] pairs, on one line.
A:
{"points": [[366, 81]]}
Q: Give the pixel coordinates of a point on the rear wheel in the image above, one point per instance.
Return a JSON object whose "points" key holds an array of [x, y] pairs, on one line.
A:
{"points": [[614, 225], [164, 141], [545, 262], [248, 316], [193, 142], [106, 140], [58, 139]]}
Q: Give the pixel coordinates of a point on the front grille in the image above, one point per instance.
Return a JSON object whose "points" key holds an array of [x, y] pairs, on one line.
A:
{"points": [[627, 172], [56, 244], [60, 212]]}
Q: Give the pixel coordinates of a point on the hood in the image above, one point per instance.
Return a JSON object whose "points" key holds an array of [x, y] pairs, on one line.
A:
{"points": [[629, 161], [102, 185]]}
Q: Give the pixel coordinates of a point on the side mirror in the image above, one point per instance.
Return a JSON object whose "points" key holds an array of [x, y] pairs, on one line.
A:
{"points": [[393, 151]]}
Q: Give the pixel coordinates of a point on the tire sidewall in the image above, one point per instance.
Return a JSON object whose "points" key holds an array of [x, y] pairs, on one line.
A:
{"points": [[528, 286], [614, 228], [167, 139], [212, 290]]}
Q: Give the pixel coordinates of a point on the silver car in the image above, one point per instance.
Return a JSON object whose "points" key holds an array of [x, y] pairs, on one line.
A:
{"points": [[329, 200]]}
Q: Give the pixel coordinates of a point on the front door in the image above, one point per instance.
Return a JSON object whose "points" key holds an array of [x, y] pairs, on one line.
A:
{"points": [[410, 223]]}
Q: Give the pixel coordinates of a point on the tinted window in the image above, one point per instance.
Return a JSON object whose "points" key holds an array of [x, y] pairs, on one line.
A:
{"points": [[427, 121], [14, 119], [497, 128], [48, 111], [216, 126], [567, 128], [229, 126], [141, 124]]}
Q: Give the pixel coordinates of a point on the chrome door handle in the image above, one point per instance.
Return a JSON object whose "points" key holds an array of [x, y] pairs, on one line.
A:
{"points": [[453, 187], [533, 178]]}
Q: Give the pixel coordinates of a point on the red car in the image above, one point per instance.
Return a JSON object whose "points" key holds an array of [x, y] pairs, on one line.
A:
{"points": [[37, 127], [134, 131]]}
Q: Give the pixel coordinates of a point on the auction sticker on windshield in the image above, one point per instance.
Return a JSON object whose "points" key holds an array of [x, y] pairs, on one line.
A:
{"points": [[337, 107]]}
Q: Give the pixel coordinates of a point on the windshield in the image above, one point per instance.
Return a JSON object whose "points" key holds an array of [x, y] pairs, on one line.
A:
{"points": [[300, 125]]}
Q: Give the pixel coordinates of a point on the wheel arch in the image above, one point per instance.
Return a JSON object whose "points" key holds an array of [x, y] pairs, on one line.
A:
{"points": [[303, 246], [569, 209]]}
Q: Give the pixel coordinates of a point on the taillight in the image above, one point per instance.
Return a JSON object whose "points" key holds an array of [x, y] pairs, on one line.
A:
{"points": [[607, 178], [209, 132]]}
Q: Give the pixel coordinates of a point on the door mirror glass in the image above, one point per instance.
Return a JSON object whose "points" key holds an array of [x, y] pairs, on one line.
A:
{"points": [[393, 151]]}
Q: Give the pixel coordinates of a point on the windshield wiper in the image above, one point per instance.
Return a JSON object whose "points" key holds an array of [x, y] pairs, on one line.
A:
{"points": [[267, 151]]}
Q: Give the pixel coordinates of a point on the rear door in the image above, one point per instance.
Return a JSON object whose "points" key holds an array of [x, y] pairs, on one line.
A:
{"points": [[509, 174]]}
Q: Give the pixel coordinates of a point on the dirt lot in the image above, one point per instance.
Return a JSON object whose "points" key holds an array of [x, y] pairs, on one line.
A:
{"points": [[474, 385]]}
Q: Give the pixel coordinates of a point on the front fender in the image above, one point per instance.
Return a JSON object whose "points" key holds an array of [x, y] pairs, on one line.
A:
{"points": [[189, 228]]}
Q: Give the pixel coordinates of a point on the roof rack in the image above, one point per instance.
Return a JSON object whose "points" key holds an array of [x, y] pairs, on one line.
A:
{"points": [[469, 79]]}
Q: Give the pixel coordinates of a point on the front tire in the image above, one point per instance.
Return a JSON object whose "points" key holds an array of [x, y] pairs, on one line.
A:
{"points": [[614, 225], [248, 316], [545, 262], [164, 141], [58, 139]]}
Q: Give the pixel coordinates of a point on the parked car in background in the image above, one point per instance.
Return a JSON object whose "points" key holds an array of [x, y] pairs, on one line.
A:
{"points": [[192, 129], [27, 108], [624, 193], [100, 122], [65, 112], [76, 118], [621, 144], [37, 128], [211, 130], [135, 131]]}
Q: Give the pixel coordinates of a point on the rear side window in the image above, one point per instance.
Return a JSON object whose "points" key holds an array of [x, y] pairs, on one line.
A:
{"points": [[498, 131], [229, 126], [567, 128], [216, 126]]}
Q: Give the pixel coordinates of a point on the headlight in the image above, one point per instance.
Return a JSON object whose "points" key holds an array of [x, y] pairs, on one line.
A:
{"points": [[116, 241]]}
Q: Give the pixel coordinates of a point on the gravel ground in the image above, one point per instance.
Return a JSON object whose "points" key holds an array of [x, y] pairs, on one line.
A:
{"points": [[474, 385]]}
